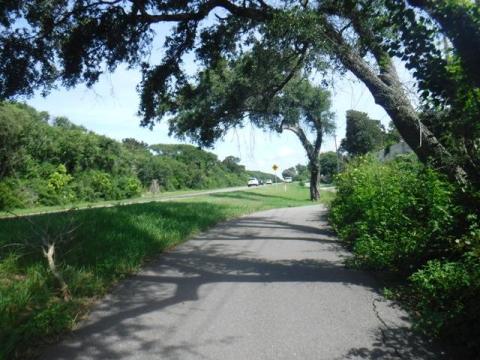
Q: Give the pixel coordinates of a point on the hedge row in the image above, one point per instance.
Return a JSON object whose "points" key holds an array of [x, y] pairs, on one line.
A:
{"points": [[404, 218]]}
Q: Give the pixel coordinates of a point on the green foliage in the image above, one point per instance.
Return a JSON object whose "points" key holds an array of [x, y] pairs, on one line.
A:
{"points": [[447, 75], [407, 219], [394, 216], [59, 179], [268, 42], [444, 295], [102, 184], [57, 184], [363, 134], [9, 198], [55, 162], [328, 168], [109, 243], [10, 134], [130, 186], [290, 172], [232, 163], [392, 136], [302, 173], [233, 93], [328, 165]]}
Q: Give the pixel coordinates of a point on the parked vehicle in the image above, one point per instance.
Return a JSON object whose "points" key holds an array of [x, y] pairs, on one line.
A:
{"points": [[253, 182], [268, 182], [287, 179]]}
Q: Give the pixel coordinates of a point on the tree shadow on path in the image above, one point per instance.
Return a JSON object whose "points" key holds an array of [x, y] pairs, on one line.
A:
{"points": [[177, 276]]}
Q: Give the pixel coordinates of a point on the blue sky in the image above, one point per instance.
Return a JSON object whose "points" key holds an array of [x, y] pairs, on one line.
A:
{"points": [[110, 107]]}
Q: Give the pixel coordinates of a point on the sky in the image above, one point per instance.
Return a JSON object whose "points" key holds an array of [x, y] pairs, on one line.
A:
{"points": [[110, 106]]}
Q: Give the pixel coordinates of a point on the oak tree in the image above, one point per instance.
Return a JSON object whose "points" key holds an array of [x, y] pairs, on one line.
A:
{"points": [[43, 44]]}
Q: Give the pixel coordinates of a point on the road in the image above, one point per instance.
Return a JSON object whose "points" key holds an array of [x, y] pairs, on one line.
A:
{"points": [[271, 285], [160, 198], [102, 204]]}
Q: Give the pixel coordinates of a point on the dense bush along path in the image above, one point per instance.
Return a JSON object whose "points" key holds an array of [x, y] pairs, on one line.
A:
{"points": [[271, 285]]}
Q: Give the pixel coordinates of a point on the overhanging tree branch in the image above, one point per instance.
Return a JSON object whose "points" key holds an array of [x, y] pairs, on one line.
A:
{"points": [[204, 10], [458, 23], [388, 92]]}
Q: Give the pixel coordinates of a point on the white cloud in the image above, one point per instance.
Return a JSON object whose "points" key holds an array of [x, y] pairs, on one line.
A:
{"points": [[286, 151]]}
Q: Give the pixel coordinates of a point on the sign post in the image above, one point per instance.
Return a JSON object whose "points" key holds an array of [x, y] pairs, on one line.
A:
{"points": [[275, 168]]}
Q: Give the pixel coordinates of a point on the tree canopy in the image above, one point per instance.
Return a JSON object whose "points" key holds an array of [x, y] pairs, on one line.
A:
{"points": [[362, 134], [43, 44], [234, 92], [328, 165], [290, 172]]}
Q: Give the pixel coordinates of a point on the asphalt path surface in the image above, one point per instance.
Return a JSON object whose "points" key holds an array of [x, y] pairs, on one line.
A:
{"points": [[271, 285]]}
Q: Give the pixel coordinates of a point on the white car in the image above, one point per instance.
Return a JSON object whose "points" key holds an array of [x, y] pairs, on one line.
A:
{"points": [[268, 182], [252, 182], [287, 179]]}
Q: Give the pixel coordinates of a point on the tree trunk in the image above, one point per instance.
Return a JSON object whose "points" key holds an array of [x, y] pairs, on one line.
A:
{"points": [[314, 179], [313, 152], [49, 254], [388, 92], [420, 139]]}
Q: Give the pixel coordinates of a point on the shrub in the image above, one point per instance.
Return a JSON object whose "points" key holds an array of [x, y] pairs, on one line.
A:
{"points": [[9, 198], [405, 218], [393, 216], [126, 187], [102, 184], [46, 195], [58, 183], [444, 295]]}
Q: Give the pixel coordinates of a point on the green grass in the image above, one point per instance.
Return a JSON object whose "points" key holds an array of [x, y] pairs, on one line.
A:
{"points": [[108, 244], [146, 197]]}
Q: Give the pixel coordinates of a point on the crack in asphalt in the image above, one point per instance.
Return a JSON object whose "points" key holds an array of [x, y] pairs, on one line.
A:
{"points": [[382, 331]]}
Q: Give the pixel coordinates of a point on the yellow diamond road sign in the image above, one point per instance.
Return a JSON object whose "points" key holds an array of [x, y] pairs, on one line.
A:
{"points": [[274, 167]]}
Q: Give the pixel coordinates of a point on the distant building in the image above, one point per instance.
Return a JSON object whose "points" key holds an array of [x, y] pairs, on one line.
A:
{"points": [[393, 150]]}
